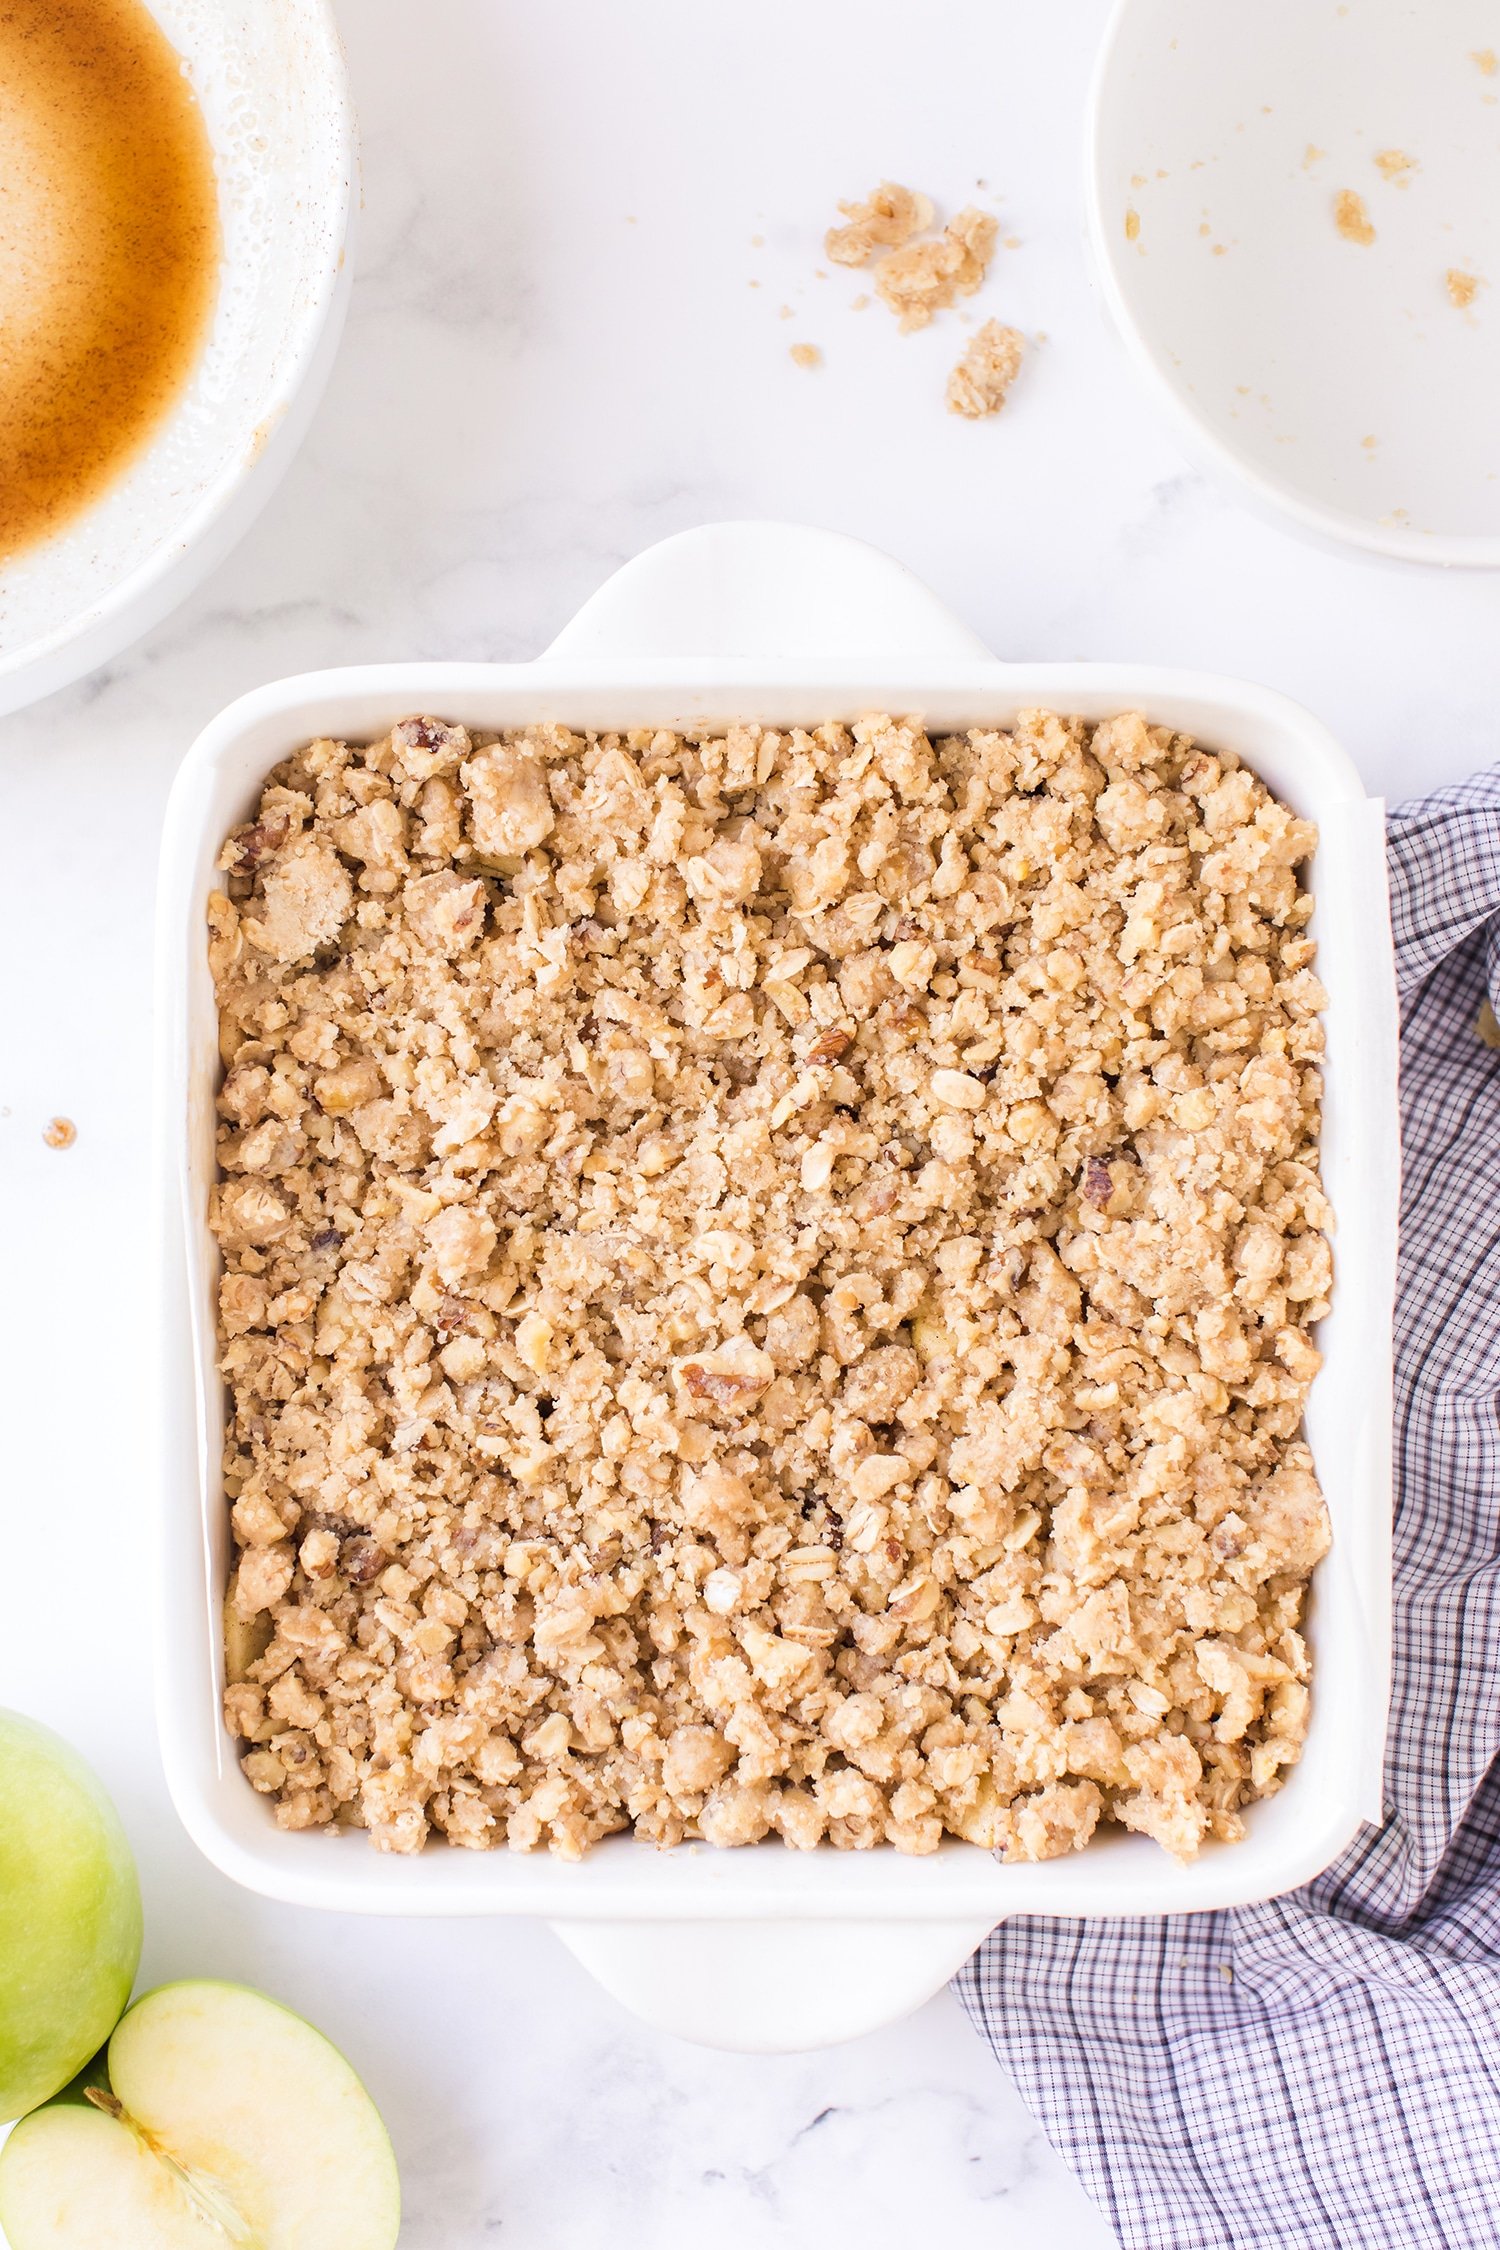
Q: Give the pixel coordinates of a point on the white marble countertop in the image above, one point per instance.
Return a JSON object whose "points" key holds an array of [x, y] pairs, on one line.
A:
{"points": [[580, 226]]}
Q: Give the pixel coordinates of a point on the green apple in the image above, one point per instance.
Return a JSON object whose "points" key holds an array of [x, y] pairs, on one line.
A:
{"points": [[70, 1914], [226, 2120]]}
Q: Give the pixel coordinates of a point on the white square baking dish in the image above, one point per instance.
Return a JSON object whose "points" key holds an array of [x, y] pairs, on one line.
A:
{"points": [[766, 1947]]}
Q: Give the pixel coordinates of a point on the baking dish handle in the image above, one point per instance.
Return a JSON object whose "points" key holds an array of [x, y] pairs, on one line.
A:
{"points": [[772, 1987], [766, 590]]}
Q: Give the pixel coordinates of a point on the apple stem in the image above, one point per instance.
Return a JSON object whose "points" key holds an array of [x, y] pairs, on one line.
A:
{"points": [[205, 2195]]}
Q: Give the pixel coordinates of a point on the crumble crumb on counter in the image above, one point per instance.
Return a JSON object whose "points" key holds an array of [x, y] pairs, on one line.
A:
{"points": [[1462, 287], [886, 221], [806, 355], [766, 1285], [980, 382], [926, 277], [919, 278]]}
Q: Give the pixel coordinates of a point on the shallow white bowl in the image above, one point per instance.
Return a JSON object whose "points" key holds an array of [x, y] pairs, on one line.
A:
{"points": [[269, 77], [1335, 382], [766, 1947]]}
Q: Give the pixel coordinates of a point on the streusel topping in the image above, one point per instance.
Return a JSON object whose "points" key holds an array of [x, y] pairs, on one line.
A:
{"points": [[767, 1279]]}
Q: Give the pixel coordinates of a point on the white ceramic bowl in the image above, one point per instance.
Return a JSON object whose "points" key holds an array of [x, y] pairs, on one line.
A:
{"points": [[270, 80], [1334, 381], [766, 1947]]}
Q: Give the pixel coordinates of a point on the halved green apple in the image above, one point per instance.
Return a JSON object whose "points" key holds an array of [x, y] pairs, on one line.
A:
{"points": [[226, 2120]]}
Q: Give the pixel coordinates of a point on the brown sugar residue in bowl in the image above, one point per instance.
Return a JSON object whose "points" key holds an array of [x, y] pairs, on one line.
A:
{"points": [[1132, 226], [1395, 165], [981, 381], [1351, 218], [109, 250], [60, 1132], [1486, 59], [806, 355], [1462, 287]]}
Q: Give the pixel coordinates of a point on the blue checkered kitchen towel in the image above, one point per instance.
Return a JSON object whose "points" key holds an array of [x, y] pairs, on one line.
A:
{"points": [[1322, 2072]]}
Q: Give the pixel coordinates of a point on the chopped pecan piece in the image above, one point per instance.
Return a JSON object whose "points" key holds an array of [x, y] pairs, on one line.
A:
{"points": [[247, 847], [1098, 1185], [361, 1561]]}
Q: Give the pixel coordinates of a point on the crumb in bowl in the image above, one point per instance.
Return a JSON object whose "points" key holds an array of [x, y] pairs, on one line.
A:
{"points": [[767, 1278], [1462, 287]]}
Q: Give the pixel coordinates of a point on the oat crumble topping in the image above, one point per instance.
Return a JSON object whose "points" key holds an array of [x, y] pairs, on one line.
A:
{"points": [[981, 381], [766, 1287]]}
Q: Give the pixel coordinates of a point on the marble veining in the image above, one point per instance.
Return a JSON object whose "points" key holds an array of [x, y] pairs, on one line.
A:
{"points": [[555, 355]]}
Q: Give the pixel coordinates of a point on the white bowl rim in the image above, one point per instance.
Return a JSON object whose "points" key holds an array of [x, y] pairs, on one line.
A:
{"points": [[1399, 543], [138, 585]]}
